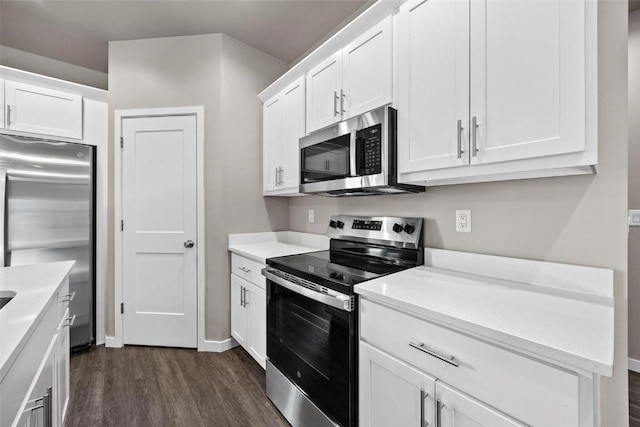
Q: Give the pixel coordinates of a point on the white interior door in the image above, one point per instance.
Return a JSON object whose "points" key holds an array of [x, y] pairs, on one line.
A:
{"points": [[159, 214]]}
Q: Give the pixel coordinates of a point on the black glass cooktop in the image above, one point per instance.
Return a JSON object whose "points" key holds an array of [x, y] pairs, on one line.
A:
{"points": [[333, 269]]}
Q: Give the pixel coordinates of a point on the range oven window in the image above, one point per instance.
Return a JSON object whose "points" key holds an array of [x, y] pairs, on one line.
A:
{"points": [[313, 344], [326, 160]]}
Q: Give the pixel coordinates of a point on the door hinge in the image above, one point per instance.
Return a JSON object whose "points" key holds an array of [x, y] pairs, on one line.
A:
{"points": [[121, 142], [121, 225], [121, 308]]}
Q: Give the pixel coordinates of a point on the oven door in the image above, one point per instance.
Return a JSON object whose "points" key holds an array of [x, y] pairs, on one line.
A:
{"points": [[311, 339]]}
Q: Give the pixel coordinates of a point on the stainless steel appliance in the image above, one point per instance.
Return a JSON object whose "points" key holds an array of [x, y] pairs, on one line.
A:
{"points": [[356, 157], [47, 213], [312, 315]]}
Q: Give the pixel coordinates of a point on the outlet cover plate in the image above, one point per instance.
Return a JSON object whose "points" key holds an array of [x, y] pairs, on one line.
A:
{"points": [[463, 221], [634, 218], [311, 215]]}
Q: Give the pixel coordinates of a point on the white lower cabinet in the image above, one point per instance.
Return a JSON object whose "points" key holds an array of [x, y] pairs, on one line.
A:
{"points": [[392, 393], [414, 371], [249, 307]]}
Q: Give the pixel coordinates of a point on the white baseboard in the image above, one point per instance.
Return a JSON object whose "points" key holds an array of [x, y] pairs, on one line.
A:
{"points": [[217, 346], [634, 365], [112, 342]]}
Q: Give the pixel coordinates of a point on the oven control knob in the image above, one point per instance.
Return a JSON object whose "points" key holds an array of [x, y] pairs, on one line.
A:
{"points": [[408, 228], [340, 225], [332, 224], [397, 228]]}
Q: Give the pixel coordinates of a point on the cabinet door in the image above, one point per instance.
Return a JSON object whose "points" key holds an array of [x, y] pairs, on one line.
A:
{"points": [[527, 78], [35, 411], [238, 311], [367, 70], [45, 111], [433, 85], [257, 307], [323, 93], [272, 142], [2, 102], [293, 128], [459, 410], [393, 393], [62, 370]]}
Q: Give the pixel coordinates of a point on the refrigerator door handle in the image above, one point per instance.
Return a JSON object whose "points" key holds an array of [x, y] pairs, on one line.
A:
{"points": [[3, 217]]}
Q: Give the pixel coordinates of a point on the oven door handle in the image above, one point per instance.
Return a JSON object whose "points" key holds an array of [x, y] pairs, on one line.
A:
{"points": [[341, 301]]}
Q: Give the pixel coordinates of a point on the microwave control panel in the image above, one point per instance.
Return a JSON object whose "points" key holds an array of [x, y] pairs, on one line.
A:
{"points": [[369, 148]]}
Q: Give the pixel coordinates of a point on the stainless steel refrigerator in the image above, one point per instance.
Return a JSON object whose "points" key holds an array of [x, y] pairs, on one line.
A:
{"points": [[47, 203]]}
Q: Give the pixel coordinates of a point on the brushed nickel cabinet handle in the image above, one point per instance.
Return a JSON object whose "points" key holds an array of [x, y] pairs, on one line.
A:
{"points": [[474, 137], [241, 296], [335, 104], [342, 96], [8, 115], [439, 406], [68, 297], [69, 321], [423, 396], [445, 358], [245, 269], [459, 130]]}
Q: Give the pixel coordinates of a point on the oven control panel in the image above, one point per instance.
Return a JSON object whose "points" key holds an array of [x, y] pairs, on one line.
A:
{"points": [[389, 231]]}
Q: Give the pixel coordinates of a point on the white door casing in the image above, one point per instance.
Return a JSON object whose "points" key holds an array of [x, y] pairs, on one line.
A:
{"points": [[159, 214]]}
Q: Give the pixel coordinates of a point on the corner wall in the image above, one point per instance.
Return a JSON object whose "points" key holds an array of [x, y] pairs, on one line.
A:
{"points": [[634, 184], [224, 76], [575, 220]]}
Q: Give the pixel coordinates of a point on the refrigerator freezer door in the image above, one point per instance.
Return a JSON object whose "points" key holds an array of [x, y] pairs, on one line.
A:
{"points": [[50, 216]]}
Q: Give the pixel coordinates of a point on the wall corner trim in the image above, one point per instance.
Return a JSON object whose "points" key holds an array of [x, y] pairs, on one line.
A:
{"points": [[217, 346], [634, 365]]}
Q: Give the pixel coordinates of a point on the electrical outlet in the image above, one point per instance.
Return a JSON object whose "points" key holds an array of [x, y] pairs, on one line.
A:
{"points": [[311, 215], [463, 221], [634, 218]]}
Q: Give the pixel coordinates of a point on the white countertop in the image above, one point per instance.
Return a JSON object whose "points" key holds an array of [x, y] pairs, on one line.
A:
{"points": [[260, 246], [566, 326], [36, 286]]}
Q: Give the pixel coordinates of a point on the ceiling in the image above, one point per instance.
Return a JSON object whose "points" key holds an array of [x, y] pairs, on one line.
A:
{"points": [[78, 32]]}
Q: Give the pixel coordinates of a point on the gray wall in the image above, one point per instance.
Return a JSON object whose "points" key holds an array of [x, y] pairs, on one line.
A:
{"points": [[33, 63], [634, 183], [576, 220], [224, 76]]}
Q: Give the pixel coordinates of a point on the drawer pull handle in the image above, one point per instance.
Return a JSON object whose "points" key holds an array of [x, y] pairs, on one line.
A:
{"points": [[69, 321], [245, 269], [68, 297], [423, 348]]}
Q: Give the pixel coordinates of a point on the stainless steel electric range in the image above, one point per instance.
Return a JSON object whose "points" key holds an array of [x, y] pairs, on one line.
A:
{"points": [[312, 329]]}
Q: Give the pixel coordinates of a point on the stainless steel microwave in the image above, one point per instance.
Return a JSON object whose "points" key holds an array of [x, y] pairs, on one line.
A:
{"points": [[356, 157]]}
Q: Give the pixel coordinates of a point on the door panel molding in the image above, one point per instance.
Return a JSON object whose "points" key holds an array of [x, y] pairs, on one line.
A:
{"points": [[119, 117]]}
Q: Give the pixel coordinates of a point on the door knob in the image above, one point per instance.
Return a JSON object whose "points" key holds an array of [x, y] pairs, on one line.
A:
{"points": [[189, 244]]}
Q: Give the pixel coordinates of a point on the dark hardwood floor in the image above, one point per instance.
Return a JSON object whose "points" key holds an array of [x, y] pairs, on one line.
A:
{"points": [[634, 399], [156, 386]]}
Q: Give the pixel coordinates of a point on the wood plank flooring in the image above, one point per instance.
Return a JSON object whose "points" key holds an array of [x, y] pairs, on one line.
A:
{"points": [[162, 387], [634, 399], [156, 386]]}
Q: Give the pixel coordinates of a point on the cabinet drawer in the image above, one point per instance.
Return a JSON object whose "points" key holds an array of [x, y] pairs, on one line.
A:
{"points": [[248, 270], [512, 383]]}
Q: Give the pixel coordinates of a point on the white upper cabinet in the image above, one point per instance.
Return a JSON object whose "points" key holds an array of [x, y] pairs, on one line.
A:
{"points": [[324, 97], [527, 79], [433, 84], [354, 80], [486, 83], [44, 111], [283, 126]]}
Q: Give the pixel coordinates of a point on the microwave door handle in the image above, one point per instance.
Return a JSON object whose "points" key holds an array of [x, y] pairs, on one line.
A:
{"points": [[353, 152]]}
